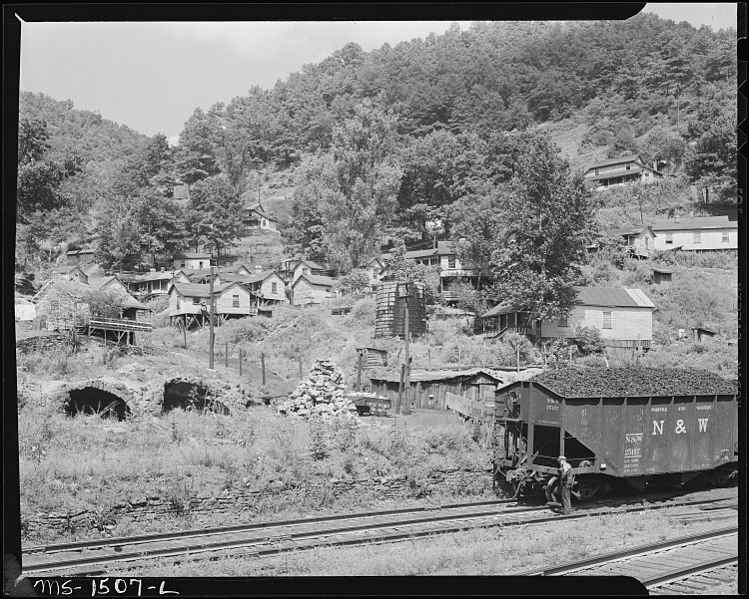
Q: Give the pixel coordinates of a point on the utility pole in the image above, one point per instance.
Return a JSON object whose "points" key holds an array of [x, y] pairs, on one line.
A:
{"points": [[406, 352], [212, 313]]}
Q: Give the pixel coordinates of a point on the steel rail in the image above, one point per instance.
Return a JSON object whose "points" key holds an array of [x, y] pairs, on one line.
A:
{"points": [[640, 550], [105, 542], [678, 574], [233, 543]]}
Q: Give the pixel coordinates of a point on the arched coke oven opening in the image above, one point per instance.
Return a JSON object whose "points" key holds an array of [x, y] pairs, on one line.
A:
{"points": [[188, 395], [91, 400]]}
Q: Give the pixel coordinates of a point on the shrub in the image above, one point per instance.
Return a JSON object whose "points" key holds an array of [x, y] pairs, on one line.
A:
{"points": [[355, 283], [588, 340], [362, 313]]}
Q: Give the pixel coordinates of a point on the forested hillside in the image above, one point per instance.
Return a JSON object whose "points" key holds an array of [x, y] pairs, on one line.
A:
{"points": [[392, 143]]}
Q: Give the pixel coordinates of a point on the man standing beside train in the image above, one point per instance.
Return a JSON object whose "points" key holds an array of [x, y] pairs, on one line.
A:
{"points": [[565, 484]]}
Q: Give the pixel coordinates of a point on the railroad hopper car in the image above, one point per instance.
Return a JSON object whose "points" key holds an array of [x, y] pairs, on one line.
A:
{"points": [[616, 426]]}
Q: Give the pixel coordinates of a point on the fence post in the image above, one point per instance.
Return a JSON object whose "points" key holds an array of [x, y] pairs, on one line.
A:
{"points": [[517, 357], [400, 390], [262, 366], [226, 355], [358, 370]]}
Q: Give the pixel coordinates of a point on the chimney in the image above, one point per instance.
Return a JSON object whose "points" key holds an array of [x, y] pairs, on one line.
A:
{"points": [[258, 268], [691, 214]]}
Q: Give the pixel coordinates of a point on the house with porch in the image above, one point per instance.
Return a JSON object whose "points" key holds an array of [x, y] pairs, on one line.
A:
{"points": [[696, 234], [256, 217], [267, 287], [444, 257], [625, 170], [189, 303], [624, 317], [149, 284]]}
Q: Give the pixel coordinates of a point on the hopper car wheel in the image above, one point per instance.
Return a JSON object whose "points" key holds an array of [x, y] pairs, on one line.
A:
{"points": [[725, 476], [587, 488]]}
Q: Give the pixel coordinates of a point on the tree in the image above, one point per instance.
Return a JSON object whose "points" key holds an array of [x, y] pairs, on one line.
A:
{"points": [[160, 223], [589, 340], [711, 161], [118, 241], [216, 212], [547, 214], [359, 181], [304, 233]]}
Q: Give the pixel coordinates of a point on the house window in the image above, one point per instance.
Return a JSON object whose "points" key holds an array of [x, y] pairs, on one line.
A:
{"points": [[697, 237], [628, 167], [263, 224], [274, 287], [607, 320], [669, 238], [724, 236], [182, 264], [177, 303], [195, 301], [562, 321], [596, 171], [305, 271], [235, 301], [451, 262]]}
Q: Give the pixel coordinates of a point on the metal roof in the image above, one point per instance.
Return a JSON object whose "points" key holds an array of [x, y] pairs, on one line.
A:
{"points": [[698, 222], [321, 280], [437, 375], [201, 289], [620, 160], [615, 297]]}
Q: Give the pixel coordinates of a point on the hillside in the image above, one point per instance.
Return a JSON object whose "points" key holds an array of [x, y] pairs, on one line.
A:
{"points": [[454, 110]]}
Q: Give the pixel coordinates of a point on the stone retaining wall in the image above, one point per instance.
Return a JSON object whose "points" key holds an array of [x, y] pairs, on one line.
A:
{"points": [[453, 484]]}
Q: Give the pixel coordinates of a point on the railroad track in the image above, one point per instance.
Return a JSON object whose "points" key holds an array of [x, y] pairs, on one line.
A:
{"points": [[691, 564], [269, 538]]}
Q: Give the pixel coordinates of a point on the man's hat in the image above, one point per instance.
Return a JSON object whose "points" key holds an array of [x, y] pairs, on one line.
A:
{"points": [[562, 458]]}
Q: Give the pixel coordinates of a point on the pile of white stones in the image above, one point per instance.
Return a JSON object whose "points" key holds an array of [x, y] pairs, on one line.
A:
{"points": [[322, 393]]}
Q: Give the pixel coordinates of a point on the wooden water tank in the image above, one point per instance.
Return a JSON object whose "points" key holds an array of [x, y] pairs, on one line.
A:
{"points": [[390, 309]]}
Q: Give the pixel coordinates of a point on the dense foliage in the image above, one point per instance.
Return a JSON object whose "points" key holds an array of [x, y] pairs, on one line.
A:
{"points": [[386, 143]]}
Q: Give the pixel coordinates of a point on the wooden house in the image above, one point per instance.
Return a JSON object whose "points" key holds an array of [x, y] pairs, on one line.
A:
{"points": [[189, 303], [624, 317], [373, 269], [193, 260], [148, 284], [256, 217], [311, 289], [293, 268], [181, 194], [706, 233], [639, 240], [80, 257], [444, 257], [625, 170], [430, 389]]}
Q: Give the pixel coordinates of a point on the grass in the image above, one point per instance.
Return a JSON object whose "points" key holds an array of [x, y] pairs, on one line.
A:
{"points": [[91, 463], [488, 551]]}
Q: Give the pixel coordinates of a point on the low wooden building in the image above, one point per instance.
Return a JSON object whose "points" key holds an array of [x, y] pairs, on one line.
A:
{"points": [[639, 240], [312, 289], [701, 333], [697, 234], [429, 389], [662, 275], [80, 257]]}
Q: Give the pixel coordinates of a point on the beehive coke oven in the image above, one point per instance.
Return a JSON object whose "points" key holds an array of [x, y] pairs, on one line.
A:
{"points": [[390, 318]]}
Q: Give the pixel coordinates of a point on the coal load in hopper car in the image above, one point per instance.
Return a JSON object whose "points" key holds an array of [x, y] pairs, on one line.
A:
{"points": [[633, 426]]}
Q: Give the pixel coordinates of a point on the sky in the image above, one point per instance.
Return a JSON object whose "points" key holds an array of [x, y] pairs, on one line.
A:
{"points": [[152, 76]]}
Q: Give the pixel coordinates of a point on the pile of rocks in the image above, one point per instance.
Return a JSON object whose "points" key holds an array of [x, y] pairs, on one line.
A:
{"points": [[323, 393]]}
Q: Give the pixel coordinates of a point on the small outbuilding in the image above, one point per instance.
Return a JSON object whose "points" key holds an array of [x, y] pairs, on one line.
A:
{"points": [[701, 333], [662, 275], [429, 389]]}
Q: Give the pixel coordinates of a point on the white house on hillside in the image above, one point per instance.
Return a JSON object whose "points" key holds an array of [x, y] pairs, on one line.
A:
{"points": [[624, 317], [706, 233], [625, 170]]}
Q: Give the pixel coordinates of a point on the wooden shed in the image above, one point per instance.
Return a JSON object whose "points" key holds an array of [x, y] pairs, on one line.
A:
{"points": [[429, 388], [662, 275]]}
